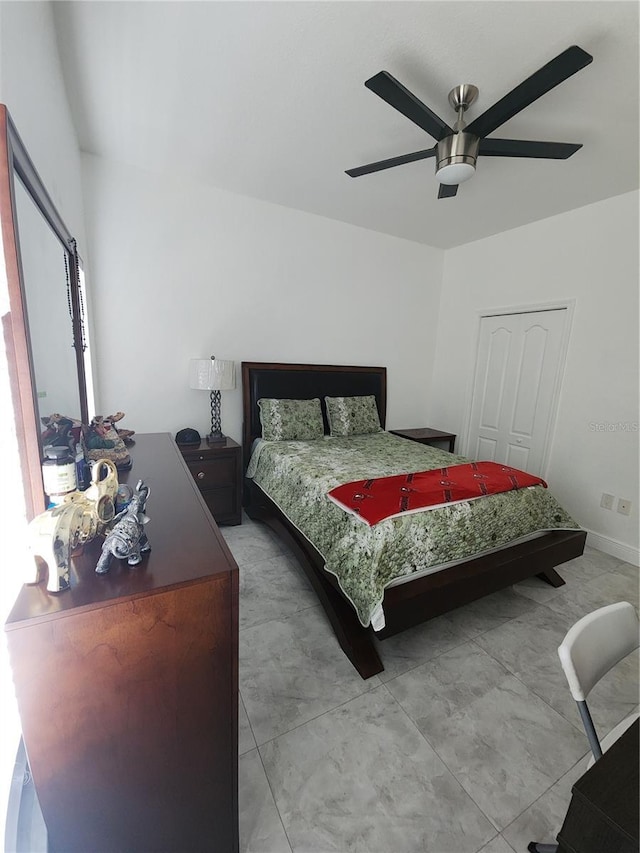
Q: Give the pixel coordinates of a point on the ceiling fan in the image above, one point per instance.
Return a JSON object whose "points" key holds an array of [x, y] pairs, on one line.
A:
{"points": [[457, 148]]}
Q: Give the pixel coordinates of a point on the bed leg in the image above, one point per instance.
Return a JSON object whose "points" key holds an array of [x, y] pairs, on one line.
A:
{"points": [[551, 577]]}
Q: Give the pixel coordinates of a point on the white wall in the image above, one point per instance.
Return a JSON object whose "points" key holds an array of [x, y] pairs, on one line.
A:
{"points": [[590, 255], [182, 270], [32, 88]]}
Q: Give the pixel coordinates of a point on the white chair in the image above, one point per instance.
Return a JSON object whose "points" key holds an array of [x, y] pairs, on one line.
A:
{"points": [[591, 648]]}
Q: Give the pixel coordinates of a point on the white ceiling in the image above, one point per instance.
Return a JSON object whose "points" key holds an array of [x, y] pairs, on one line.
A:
{"points": [[267, 99]]}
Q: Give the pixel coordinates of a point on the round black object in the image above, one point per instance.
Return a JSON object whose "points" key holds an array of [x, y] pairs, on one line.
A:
{"points": [[188, 436]]}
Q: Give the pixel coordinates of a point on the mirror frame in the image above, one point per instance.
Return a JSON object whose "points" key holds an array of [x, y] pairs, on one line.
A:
{"points": [[15, 160]]}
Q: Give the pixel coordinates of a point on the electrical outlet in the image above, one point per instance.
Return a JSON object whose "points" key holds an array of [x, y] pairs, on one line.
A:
{"points": [[624, 506], [606, 501]]}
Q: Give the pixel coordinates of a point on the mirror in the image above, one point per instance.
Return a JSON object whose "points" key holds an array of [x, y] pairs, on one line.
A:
{"points": [[44, 328], [50, 323]]}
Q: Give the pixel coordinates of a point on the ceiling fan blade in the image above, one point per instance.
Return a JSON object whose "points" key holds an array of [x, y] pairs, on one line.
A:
{"points": [[527, 148], [392, 161], [447, 190], [542, 81], [401, 99]]}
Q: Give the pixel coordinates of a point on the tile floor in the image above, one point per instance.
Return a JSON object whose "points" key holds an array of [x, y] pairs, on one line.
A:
{"points": [[468, 742]]}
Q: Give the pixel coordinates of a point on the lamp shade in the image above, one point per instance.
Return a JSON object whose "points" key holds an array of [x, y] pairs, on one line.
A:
{"points": [[212, 374]]}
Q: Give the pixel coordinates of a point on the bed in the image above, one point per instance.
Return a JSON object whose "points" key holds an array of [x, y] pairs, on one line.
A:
{"points": [[404, 601]]}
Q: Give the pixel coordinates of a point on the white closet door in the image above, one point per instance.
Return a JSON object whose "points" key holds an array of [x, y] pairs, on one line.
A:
{"points": [[515, 390]]}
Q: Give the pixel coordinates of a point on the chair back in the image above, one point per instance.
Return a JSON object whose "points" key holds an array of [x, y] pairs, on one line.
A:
{"points": [[595, 644]]}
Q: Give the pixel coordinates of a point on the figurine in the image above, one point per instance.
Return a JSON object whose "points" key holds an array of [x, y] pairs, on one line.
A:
{"points": [[94, 438], [103, 489], [102, 427], [126, 539], [59, 431], [56, 533], [124, 434], [102, 439]]}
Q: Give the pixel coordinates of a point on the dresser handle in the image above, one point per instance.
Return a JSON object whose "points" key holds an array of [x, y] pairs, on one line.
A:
{"points": [[201, 475]]}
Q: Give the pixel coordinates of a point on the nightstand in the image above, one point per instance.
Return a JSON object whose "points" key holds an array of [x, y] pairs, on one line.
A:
{"points": [[425, 435], [217, 470]]}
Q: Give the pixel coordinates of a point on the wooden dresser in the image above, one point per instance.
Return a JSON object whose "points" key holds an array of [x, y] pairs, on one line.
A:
{"points": [[127, 684]]}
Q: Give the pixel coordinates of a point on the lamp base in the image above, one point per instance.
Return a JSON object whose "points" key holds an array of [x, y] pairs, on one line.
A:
{"points": [[216, 438]]}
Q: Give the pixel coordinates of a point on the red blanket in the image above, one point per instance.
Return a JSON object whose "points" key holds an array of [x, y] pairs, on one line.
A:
{"points": [[387, 497]]}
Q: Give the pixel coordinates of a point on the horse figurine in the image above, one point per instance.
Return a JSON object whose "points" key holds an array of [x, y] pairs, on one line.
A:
{"points": [[126, 538]]}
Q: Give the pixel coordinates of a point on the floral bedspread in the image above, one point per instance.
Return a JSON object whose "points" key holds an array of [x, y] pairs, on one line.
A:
{"points": [[297, 475]]}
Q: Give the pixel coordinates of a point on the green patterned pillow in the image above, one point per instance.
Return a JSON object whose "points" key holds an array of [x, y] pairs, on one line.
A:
{"points": [[352, 415], [291, 420]]}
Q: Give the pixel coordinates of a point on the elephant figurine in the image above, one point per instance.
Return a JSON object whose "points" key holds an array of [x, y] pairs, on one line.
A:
{"points": [[54, 534], [126, 539], [80, 517]]}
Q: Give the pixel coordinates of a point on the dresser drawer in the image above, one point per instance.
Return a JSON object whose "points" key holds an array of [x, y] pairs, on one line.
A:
{"points": [[220, 471]]}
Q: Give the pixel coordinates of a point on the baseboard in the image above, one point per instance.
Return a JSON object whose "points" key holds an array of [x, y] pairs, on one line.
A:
{"points": [[613, 548]]}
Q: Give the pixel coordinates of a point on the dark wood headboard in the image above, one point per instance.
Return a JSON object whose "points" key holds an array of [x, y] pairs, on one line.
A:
{"points": [[304, 382]]}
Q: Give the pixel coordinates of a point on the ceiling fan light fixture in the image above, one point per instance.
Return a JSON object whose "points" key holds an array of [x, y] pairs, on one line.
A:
{"points": [[456, 160], [456, 173]]}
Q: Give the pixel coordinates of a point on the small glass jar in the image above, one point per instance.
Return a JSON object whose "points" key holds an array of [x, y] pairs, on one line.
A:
{"points": [[58, 473]]}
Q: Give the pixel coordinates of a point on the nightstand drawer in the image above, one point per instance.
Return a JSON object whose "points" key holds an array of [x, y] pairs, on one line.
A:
{"points": [[221, 502], [213, 472]]}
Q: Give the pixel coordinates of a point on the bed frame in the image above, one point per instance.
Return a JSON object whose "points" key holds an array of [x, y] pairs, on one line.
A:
{"points": [[409, 603]]}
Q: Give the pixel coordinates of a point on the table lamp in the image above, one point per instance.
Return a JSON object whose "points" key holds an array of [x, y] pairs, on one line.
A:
{"points": [[213, 375]]}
